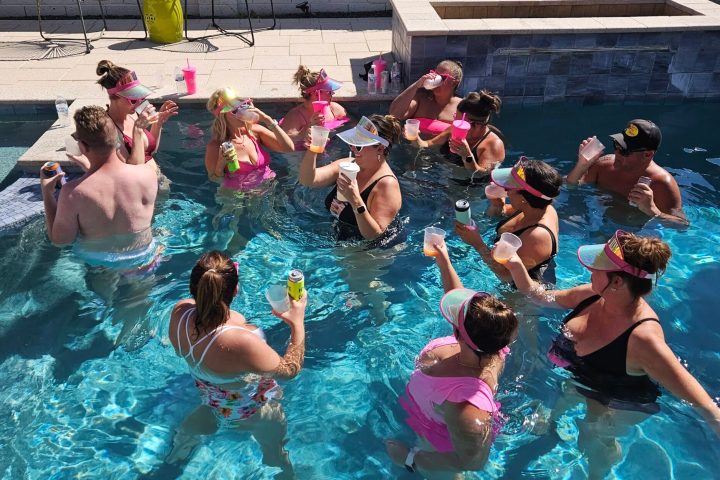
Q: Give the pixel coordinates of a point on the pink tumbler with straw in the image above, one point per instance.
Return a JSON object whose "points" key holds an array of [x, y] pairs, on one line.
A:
{"points": [[380, 65], [189, 71], [321, 106], [460, 129]]}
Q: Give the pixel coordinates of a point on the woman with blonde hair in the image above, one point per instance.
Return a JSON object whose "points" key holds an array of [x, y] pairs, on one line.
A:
{"points": [[314, 87], [233, 367], [236, 121]]}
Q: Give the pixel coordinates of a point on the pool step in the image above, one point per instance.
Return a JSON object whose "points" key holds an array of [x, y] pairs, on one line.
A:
{"points": [[21, 202]]}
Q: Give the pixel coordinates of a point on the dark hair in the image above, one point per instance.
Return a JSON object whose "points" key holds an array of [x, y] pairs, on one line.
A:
{"points": [[95, 129], [455, 69], [109, 73], [541, 177], [647, 253], [480, 104], [389, 128], [490, 324], [213, 281]]}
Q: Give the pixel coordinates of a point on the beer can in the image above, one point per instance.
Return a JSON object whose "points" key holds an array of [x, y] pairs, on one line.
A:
{"points": [[295, 284], [228, 151], [462, 212], [50, 169]]}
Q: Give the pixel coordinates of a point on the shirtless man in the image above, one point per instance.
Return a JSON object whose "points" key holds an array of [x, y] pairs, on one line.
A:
{"points": [[112, 203], [635, 149]]}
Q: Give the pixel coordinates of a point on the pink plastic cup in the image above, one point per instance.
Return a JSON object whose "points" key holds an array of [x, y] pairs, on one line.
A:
{"points": [[460, 129], [319, 106], [189, 72]]}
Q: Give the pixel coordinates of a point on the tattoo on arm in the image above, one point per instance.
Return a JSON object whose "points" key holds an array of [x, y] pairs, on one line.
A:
{"points": [[291, 364]]}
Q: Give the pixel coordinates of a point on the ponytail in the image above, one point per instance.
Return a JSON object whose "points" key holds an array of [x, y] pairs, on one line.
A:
{"points": [[213, 282]]}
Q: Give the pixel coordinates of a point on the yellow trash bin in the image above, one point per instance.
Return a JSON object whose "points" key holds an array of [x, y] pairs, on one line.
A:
{"points": [[164, 20]]}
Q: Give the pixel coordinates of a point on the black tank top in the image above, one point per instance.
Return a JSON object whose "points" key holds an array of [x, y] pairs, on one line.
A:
{"points": [[604, 371], [543, 272]]}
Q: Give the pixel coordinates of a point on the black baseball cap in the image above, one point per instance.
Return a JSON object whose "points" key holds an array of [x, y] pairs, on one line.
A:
{"points": [[639, 135]]}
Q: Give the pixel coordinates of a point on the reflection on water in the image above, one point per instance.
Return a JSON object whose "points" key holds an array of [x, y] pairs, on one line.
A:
{"points": [[92, 387]]}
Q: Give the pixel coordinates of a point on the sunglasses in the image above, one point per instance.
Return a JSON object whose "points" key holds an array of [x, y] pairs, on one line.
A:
{"points": [[444, 76], [244, 105], [626, 151], [134, 101], [358, 149]]}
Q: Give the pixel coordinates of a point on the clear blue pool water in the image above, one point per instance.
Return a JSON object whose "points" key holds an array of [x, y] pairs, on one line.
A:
{"points": [[87, 391], [17, 134]]}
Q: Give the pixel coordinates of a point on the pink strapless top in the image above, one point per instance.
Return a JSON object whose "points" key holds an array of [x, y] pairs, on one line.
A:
{"points": [[424, 393], [431, 126], [249, 176]]}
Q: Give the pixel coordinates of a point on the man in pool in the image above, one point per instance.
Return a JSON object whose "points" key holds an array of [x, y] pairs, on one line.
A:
{"points": [[109, 209], [657, 194]]}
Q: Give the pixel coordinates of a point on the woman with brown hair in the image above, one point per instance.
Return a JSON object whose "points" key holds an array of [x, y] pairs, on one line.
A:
{"points": [[483, 148], [614, 345], [232, 365], [431, 99], [236, 121], [373, 199], [314, 87]]}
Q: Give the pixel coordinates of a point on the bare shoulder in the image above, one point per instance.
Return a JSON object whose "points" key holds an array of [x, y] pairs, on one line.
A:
{"points": [[660, 176], [339, 109]]}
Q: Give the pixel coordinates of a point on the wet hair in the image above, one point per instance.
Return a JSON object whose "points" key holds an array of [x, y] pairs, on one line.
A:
{"points": [[541, 177], [95, 129], [454, 67], [305, 78], [109, 73], [220, 132], [647, 253], [213, 281], [490, 324], [480, 104], [389, 128]]}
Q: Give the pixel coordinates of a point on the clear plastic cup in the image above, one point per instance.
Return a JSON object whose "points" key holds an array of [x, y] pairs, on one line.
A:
{"points": [[433, 235], [593, 148], [412, 127], [350, 170], [506, 247], [72, 147], [318, 138], [278, 298], [493, 191]]}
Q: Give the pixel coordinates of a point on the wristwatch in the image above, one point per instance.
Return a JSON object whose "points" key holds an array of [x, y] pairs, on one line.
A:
{"points": [[410, 459], [273, 122], [360, 210]]}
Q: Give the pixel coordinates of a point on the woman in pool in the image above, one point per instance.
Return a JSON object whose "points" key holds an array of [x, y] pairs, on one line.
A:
{"points": [[235, 121], [436, 107], [484, 148], [531, 186], [613, 343], [373, 198], [314, 87], [450, 396], [233, 368]]}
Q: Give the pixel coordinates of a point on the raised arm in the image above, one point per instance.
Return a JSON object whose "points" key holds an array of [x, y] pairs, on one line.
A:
{"points": [[582, 171], [272, 134], [313, 176], [167, 110], [405, 105], [448, 275]]}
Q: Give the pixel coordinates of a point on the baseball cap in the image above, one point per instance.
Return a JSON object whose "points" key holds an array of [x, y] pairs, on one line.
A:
{"points": [[639, 135]]}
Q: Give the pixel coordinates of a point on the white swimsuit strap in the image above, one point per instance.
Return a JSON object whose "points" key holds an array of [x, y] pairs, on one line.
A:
{"points": [[183, 318], [218, 331], [191, 345]]}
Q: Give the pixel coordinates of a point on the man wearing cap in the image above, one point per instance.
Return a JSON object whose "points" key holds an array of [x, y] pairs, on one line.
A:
{"points": [[657, 194]]}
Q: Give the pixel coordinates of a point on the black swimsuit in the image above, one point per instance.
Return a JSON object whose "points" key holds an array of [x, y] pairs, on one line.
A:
{"points": [[543, 272], [480, 178], [604, 371]]}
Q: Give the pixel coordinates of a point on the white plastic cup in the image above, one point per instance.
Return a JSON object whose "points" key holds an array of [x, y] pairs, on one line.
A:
{"points": [[278, 298], [72, 147], [432, 83], [433, 235], [318, 138], [412, 127], [350, 170], [591, 149], [493, 191], [506, 247]]}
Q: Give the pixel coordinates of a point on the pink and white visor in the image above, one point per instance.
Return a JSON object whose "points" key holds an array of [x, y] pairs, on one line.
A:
{"points": [[609, 257], [515, 179], [454, 306], [130, 87], [324, 82]]}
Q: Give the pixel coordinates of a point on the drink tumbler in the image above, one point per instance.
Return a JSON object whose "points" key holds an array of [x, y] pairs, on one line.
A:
{"points": [[643, 181], [50, 169], [228, 151], [295, 284], [189, 73], [462, 212]]}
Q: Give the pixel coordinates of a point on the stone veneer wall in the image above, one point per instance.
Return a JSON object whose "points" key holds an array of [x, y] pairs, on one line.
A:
{"points": [[537, 68], [27, 8]]}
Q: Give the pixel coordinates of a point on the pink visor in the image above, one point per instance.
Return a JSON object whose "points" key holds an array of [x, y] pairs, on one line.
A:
{"points": [[324, 83], [515, 179], [130, 87], [454, 306], [609, 257]]}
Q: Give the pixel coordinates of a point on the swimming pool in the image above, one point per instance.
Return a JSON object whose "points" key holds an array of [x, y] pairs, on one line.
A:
{"points": [[17, 134], [77, 405]]}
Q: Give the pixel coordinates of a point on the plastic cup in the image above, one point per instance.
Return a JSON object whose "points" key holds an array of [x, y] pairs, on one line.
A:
{"points": [[432, 83], [460, 129], [318, 138], [72, 147], [506, 247], [350, 170], [278, 298], [319, 106], [433, 235], [189, 71], [493, 191], [412, 127], [592, 148]]}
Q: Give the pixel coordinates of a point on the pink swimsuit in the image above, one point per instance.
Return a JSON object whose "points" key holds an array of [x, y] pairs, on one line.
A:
{"points": [[249, 176], [425, 393], [431, 126]]}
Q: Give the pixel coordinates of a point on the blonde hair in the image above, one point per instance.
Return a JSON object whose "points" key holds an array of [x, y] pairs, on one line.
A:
{"points": [[305, 78], [220, 131], [455, 69]]}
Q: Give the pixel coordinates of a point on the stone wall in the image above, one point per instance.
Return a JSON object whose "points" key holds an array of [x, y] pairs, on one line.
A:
{"points": [[223, 8], [536, 68]]}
